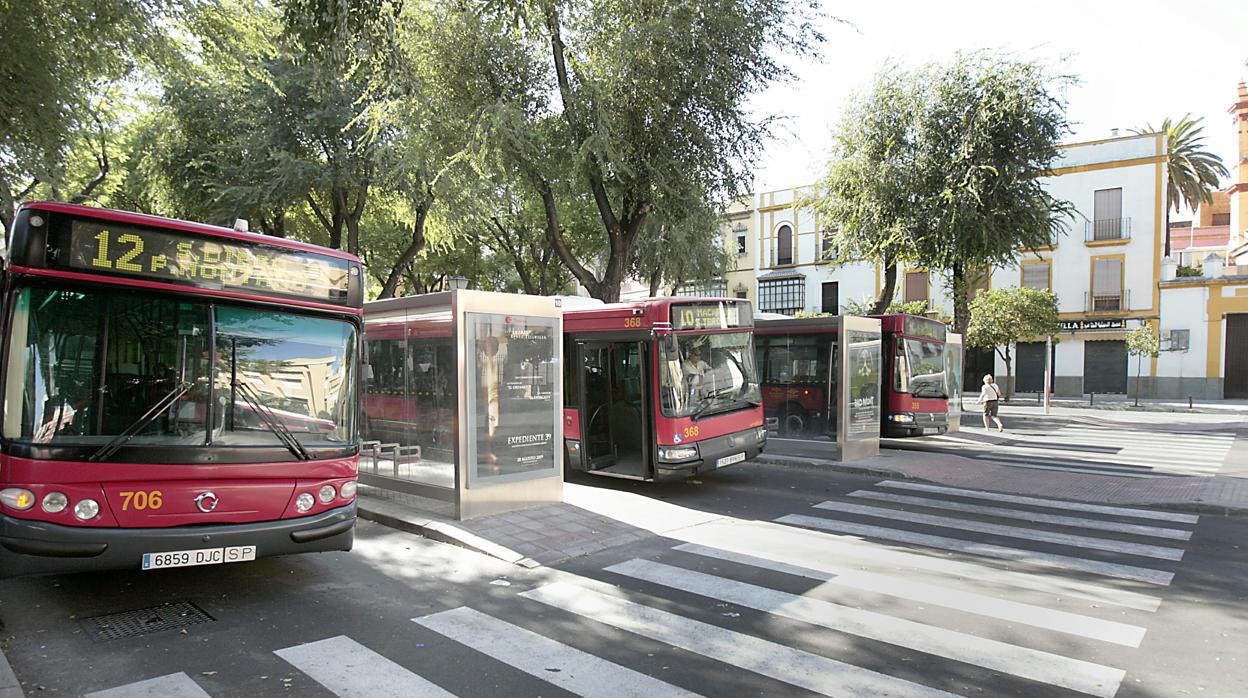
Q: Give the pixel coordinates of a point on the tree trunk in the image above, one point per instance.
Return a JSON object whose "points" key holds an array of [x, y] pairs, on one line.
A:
{"points": [[405, 260], [885, 298], [1009, 374], [1139, 366], [960, 289], [656, 281]]}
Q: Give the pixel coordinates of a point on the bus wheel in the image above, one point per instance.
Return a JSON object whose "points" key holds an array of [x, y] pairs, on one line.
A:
{"points": [[794, 424]]}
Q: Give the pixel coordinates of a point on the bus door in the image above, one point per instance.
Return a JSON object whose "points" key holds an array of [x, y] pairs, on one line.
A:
{"points": [[614, 408]]}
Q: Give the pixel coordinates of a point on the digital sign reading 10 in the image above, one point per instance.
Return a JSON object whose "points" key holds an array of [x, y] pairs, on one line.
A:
{"points": [[214, 263]]}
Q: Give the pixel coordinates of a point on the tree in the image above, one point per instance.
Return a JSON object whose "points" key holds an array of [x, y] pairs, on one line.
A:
{"points": [[58, 62], [1193, 171], [942, 166], [1142, 341], [1001, 318], [651, 111]]}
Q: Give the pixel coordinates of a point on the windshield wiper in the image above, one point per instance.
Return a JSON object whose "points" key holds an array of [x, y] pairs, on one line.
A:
{"points": [[268, 419], [711, 397], [161, 405]]}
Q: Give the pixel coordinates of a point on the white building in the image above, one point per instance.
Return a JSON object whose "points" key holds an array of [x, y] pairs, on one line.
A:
{"points": [[1104, 268]]}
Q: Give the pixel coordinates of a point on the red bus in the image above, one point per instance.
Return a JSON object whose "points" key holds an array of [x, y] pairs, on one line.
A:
{"points": [[915, 386], [175, 394], [797, 359], [661, 389]]}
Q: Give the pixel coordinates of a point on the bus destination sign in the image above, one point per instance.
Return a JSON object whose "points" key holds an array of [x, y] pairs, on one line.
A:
{"points": [[716, 315], [170, 256]]}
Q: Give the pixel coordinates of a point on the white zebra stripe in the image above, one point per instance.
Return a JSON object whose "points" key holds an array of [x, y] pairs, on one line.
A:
{"points": [[1067, 539], [566, 667], [177, 685], [792, 666], [1044, 502], [1004, 513], [1045, 667], [1108, 569], [945, 597], [827, 552], [351, 670]]}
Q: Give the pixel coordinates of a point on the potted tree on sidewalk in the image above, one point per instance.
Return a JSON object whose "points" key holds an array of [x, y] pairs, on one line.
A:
{"points": [[1141, 342], [1003, 317]]}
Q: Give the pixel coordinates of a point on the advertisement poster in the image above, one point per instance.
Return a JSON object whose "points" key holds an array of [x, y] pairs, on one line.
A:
{"points": [[863, 355], [513, 369]]}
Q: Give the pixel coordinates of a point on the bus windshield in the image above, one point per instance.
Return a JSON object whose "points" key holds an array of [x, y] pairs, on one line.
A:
{"points": [[920, 368], [85, 367], [708, 373]]}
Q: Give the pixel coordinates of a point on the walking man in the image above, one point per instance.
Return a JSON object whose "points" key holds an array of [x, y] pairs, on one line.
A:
{"points": [[990, 398]]}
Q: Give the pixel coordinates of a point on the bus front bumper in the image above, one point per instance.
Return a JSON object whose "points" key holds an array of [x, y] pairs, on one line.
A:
{"points": [[38, 547], [715, 453], [916, 424]]}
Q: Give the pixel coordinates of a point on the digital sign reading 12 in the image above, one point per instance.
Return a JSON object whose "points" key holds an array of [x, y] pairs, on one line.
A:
{"points": [[214, 263]]}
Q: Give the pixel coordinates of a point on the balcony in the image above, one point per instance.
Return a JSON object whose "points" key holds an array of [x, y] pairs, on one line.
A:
{"points": [[1107, 302], [1107, 230]]}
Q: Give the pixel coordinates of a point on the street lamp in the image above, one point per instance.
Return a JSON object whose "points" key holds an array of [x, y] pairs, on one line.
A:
{"points": [[457, 282]]}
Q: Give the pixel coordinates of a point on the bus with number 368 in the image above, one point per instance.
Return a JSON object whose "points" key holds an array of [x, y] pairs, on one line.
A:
{"points": [[175, 394]]}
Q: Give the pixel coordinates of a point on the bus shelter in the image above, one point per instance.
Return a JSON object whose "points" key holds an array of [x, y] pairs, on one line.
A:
{"points": [[953, 379], [462, 399], [821, 389]]}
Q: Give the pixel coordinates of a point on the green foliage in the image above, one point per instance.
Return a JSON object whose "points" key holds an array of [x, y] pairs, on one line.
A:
{"points": [[1143, 341], [807, 313], [864, 306], [1006, 316], [940, 167], [1194, 171], [1186, 271]]}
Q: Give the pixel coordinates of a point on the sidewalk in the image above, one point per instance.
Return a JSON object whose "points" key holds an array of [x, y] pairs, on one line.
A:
{"points": [[1125, 403]]}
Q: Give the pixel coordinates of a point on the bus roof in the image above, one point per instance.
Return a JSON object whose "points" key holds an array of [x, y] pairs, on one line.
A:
{"points": [[117, 216], [798, 325]]}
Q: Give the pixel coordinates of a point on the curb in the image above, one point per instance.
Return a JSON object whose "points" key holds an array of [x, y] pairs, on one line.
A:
{"points": [[403, 519], [10, 687], [816, 464]]}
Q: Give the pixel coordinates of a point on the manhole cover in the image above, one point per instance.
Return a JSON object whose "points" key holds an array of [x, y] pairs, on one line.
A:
{"points": [[143, 621]]}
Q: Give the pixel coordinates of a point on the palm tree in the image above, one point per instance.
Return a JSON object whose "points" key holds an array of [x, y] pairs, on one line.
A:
{"points": [[1194, 171]]}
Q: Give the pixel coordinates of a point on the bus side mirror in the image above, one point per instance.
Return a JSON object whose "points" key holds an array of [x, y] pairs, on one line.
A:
{"points": [[367, 372]]}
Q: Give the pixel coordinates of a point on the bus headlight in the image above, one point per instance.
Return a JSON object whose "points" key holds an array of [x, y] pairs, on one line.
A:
{"points": [[761, 436], [55, 502], [574, 448], [347, 491], [17, 498], [304, 501], [902, 417], [677, 452], [87, 509], [327, 494]]}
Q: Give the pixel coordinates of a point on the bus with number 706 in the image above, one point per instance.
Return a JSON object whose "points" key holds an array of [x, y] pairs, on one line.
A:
{"points": [[175, 394]]}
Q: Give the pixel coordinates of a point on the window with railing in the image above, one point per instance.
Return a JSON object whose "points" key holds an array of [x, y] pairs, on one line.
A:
{"points": [[1107, 221], [705, 289], [1107, 295], [1037, 275]]}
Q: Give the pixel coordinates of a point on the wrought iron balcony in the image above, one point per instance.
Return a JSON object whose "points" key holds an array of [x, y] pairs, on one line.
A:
{"points": [[1107, 229]]}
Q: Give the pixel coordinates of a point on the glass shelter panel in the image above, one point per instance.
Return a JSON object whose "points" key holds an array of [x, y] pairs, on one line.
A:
{"points": [[862, 354]]}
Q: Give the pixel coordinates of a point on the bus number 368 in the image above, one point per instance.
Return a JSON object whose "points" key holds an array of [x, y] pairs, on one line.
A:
{"points": [[141, 500]]}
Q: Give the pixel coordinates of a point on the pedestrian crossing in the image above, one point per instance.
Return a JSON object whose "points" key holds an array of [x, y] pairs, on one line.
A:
{"points": [[1103, 450], [896, 589]]}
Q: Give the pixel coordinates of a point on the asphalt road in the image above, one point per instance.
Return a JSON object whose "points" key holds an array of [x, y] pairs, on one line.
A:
{"points": [[852, 592]]}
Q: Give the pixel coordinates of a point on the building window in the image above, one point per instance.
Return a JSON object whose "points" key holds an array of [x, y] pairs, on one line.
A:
{"points": [[741, 243], [782, 295], [708, 289], [915, 286], [831, 298], [827, 250], [1107, 221], [784, 246], [1106, 284], [742, 293], [1037, 275], [1220, 219]]}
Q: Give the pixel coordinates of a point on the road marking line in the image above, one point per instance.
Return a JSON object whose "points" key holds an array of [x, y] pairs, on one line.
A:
{"points": [[1108, 569], [1045, 667], [177, 685], [824, 551], [1044, 502], [1004, 513], [945, 597], [792, 666], [566, 667], [1030, 534], [351, 670]]}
